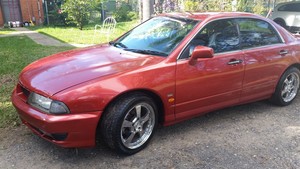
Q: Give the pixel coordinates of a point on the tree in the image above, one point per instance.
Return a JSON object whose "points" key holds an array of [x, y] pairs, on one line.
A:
{"points": [[147, 9], [259, 8], [78, 11], [242, 5]]}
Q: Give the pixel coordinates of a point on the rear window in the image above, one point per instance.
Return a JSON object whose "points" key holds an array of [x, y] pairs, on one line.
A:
{"points": [[293, 7]]}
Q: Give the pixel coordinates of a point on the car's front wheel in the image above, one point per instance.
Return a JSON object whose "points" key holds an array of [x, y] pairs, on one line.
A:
{"points": [[287, 87], [129, 123]]}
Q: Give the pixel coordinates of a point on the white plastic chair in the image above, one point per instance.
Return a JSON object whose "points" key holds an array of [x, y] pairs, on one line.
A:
{"points": [[107, 28]]}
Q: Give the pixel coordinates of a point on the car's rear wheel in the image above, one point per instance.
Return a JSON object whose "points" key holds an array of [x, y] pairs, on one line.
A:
{"points": [[129, 123], [281, 22], [287, 87]]}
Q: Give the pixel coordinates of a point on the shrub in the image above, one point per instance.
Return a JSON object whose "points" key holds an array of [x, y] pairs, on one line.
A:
{"points": [[78, 11], [124, 13]]}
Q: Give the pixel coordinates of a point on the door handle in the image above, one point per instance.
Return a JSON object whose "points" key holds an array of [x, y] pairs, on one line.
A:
{"points": [[235, 62], [283, 52]]}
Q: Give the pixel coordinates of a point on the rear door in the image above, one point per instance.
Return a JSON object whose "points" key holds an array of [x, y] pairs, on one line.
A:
{"points": [[264, 52]]}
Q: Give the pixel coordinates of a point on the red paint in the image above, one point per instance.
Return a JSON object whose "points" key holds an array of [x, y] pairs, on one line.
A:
{"points": [[87, 80]]}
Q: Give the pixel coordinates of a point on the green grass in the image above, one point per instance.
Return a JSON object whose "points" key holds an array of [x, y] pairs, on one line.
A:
{"points": [[15, 53], [86, 36], [5, 31]]}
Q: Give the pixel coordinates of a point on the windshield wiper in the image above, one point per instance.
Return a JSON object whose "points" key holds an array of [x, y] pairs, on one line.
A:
{"points": [[117, 44], [150, 52]]}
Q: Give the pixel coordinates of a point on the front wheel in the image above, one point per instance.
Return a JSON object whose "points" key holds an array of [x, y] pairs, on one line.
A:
{"points": [[287, 87], [129, 123]]}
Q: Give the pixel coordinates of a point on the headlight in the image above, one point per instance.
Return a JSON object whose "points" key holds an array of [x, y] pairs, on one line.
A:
{"points": [[47, 105]]}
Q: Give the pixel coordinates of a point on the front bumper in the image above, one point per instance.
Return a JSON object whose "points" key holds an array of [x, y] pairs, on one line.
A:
{"points": [[71, 130]]}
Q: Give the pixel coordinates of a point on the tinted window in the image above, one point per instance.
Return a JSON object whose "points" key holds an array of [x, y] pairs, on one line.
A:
{"points": [[221, 35], [256, 33], [294, 7]]}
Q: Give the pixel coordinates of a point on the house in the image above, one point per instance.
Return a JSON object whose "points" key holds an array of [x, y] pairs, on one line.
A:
{"points": [[21, 11]]}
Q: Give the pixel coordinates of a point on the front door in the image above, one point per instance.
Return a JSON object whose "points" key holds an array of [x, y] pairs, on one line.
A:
{"points": [[211, 83]]}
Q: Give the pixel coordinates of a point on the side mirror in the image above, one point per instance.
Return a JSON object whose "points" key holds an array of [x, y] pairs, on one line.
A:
{"points": [[200, 52]]}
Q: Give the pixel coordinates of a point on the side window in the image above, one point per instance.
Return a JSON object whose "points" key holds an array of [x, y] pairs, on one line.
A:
{"points": [[255, 33], [221, 35], [293, 7]]}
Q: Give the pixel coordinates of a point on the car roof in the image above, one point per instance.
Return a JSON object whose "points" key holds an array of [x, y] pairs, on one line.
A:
{"points": [[206, 15]]}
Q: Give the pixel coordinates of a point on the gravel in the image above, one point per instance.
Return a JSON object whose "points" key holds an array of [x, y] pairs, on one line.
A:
{"points": [[256, 135]]}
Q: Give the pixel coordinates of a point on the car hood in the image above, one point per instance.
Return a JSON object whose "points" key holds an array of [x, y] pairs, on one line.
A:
{"points": [[63, 70]]}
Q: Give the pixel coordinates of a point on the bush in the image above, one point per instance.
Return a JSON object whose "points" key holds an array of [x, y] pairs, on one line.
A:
{"points": [[190, 5], [132, 16], [58, 19], [124, 13], [78, 11]]}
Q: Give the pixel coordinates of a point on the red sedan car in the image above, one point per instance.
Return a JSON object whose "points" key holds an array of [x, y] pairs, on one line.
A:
{"points": [[168, 69]]}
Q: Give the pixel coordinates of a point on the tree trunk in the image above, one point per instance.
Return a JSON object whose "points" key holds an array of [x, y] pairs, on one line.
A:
{"points": [[147, 9], [140, 4]]}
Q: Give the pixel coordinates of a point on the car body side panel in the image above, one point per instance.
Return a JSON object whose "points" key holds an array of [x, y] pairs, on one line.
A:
{"points": [[97, 94], [263, 69], [208, 85]]}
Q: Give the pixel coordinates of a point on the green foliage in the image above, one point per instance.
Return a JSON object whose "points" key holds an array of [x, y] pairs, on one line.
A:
{"points": [[58, 19], [217, 5], [242, 5], [78, 11], [259, 8], [132, 15], [15, 53], [190, 5], [124, 13], [208, 5]]}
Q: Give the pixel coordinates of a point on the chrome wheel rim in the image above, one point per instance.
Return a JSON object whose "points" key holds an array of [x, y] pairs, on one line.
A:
{"points": [[290, 87], [137, 125]]}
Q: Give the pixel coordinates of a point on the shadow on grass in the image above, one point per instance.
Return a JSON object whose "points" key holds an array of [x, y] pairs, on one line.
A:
{"points": [[53, 37]]}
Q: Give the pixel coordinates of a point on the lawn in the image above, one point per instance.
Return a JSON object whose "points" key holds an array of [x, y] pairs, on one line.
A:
{"points": [[15, 53], [5, 31], [73, 35]]}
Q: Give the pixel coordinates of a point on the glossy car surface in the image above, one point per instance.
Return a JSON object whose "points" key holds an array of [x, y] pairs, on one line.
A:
{"points": [[171, 68], [287, 15]]}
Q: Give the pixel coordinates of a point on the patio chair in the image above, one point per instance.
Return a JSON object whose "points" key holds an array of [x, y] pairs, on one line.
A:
{"points": [[107, 28]]}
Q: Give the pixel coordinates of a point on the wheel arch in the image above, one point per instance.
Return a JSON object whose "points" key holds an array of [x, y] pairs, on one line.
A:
{"points": [[154, 96], [275, 96], [296, 65], [280, 20]]}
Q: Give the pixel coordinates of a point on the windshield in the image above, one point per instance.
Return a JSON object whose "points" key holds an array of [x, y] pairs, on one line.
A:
{"points": [[158, 36]]}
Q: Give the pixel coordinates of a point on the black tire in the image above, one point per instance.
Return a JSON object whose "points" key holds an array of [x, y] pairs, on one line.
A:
{"points": [[287, 87], [128, 123]]}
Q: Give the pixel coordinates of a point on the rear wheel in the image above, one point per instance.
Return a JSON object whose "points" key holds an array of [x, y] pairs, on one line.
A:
{"points": [[287, 87], [281, 23], [129, 123]]}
